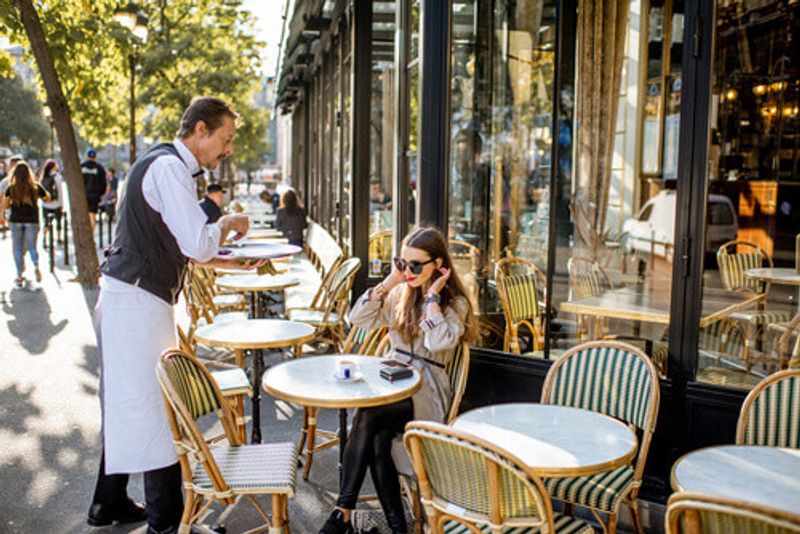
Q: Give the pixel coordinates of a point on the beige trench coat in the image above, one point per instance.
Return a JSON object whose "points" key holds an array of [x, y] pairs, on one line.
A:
{"points": [[440, 335]]}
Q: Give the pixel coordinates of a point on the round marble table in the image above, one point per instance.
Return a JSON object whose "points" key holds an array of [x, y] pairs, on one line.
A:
{"points": [[255, 284], [263, 233], [257, 250], [781, 276], [555, 441], [766, 476], [311, 383], [254, 335]]}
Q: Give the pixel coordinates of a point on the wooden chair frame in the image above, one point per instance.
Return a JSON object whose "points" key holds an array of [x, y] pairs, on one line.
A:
{"points": [[437, 509], [189, 440], [647, 430], [512, 329], [594, 326], [755, 393], [792, 360], [691, 504]]}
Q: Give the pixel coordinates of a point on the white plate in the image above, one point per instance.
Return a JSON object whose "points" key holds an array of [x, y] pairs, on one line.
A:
{"points": [[357, 377]]}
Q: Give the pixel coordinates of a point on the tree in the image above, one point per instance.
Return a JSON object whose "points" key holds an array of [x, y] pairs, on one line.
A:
{"points": [[22, 115], [27, 18]]}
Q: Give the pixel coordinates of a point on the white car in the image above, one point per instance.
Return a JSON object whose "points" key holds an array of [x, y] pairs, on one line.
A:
{"points": [[653, 228]]}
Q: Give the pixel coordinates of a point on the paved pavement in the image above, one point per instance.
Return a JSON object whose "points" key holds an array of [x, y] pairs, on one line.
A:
{"points": [[50, 414]]}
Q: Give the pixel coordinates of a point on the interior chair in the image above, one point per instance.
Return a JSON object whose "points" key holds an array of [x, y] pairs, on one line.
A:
{"points": [[470, 486], [734, 258], [380, 247], [786, 344], [587, 278], [697, 513], [329, 319], [227, 471], [466, 259], [618, 380], [770, 414], [520, 285]]}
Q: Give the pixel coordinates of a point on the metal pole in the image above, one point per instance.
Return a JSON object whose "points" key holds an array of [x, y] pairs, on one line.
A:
{"points": [[132, 61], [100, 228], [66, 239], [51, 242]]}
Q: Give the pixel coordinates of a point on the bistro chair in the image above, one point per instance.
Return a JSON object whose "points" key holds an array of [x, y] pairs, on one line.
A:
{"points": [[518, 284], [220, 302], [329, 320], [227, 471], [469, 486], [232, 382], [699, 513], [618, 380], [770, 414], [734, 258], [787, 342], [587, 278], [466, 259], [363, 341]]}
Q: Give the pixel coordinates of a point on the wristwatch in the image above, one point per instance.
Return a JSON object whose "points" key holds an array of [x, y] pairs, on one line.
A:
{"points": [[433, 297]]}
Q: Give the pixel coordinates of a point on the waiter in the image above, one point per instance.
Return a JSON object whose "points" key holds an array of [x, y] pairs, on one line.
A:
{"points": [[161, 228]]}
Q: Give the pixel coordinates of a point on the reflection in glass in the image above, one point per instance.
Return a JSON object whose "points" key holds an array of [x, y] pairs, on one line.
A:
{"points": [[752, 215]]}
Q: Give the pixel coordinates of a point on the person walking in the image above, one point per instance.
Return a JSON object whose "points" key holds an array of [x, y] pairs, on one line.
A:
{"points": [[161, 229], [22, 197], [426, 308], [94, 181], [212, 202], [52, 182], [291, 218]]}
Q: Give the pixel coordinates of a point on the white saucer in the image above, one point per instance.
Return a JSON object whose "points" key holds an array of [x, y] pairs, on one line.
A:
{"points": [[356, 377]]}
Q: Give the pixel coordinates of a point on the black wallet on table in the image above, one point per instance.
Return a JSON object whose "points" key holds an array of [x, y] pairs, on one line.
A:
{"points": [[393, 370]]}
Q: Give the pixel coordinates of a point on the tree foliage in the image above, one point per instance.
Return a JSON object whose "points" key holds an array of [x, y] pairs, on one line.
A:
{"points": [[22, 116], [194, 47]]}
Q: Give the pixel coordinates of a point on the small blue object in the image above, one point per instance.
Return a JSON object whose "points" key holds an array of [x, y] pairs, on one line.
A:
{"points": [[91, 153], [346, 372]]}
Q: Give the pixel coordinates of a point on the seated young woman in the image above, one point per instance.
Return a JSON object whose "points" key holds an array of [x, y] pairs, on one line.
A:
{"points": [[426, 308]]}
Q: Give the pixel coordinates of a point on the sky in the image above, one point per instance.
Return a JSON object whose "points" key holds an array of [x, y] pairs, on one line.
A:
{"points": [[268, 15]]}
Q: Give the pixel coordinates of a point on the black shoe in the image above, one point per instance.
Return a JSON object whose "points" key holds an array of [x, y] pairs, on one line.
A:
{"points": [[104, 514], [336, 525]]}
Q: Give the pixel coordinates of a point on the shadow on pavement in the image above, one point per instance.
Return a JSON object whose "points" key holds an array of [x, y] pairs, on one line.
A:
{"points": [[29, 322]]}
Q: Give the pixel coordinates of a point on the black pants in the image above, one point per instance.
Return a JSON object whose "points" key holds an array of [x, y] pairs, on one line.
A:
{"points": [[162, 494], [369, 446]]}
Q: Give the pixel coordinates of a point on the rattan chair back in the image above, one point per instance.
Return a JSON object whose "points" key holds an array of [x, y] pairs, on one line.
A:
{"points": [[789, 344], [520, 285], [587, 278], [468, 483], [770, 414], [457, 372], [734, 258], [706, 514]]}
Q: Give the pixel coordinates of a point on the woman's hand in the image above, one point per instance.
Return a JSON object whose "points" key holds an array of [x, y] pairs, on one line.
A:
{"points": [[439, 283]]}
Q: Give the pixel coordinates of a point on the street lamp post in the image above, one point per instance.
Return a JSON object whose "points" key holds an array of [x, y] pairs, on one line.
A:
{"points": [[135, 20]]}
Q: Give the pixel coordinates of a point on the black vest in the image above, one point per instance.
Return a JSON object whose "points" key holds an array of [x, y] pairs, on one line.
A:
{"points": [[145, 253]]}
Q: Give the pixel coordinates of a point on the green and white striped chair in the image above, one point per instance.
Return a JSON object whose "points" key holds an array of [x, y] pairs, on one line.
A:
{"points": [[518, 283], [706, 514], [468, 486], [732, 268], [618, 380], [587, 278], [770, 414], [225, 472]]}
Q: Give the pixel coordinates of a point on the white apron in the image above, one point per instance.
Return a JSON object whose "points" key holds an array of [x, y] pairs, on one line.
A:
{"points": [[134, 328]]}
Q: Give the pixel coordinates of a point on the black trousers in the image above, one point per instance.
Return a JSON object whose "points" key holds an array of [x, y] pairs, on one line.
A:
{"points": [[162, 494], [369, 446]]}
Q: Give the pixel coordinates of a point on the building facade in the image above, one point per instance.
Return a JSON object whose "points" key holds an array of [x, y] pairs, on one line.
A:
{"points": [[627, 151]]}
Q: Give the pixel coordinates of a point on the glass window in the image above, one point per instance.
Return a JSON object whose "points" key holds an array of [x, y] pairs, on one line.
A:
{"points": [[752, 215], [382, 156]]}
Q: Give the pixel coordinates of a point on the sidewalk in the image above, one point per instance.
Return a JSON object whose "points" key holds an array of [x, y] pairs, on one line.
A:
{"points": [[50, 414]]}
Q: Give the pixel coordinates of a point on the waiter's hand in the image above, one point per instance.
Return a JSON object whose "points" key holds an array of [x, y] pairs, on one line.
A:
{"points": [[233, 223]]}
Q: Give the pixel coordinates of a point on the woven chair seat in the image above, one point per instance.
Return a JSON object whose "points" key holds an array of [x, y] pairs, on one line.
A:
{"points": [[760, 318], [563, 524], [603, 491], [267, 468], [233, 382], [312, 317], [778, 328], [229, 301]]}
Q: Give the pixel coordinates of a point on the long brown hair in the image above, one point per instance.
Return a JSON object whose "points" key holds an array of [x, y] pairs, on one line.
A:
{"points": [[22, 187], [46, 168], [408, 313], [290, 202]]}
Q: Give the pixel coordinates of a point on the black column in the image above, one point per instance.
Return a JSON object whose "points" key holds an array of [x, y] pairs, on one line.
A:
{"points": [[361, 43], [434, 106]]}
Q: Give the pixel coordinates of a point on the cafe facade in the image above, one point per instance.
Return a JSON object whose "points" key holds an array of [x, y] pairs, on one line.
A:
{"points": [[639, 144]]}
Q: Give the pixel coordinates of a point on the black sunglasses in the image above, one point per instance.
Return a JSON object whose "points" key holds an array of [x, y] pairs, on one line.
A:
{"points": [[415, 266]]}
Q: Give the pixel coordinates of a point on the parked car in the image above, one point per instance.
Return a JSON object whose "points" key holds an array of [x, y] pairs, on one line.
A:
{"points": [[652, 231]]}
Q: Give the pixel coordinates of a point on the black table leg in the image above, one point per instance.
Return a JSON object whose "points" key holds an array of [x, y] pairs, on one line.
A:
{"points": [[342, 443], [258, 370]]}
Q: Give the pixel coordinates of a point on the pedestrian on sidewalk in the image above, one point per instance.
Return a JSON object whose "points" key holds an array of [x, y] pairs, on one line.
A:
{"points": [[22, 197], [161, 228], [94, 181], [52, 182]]}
